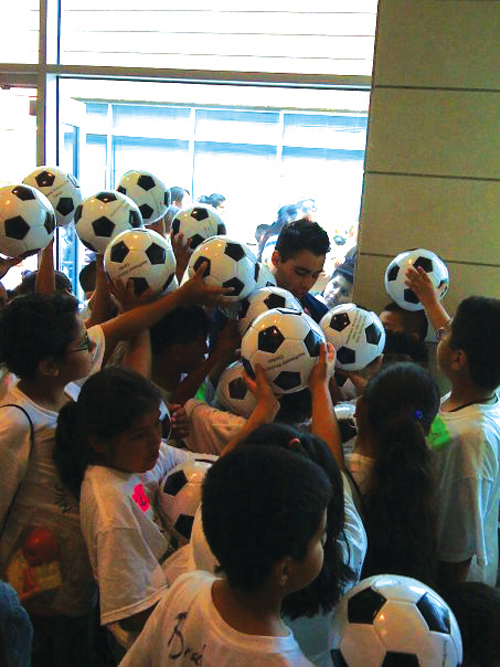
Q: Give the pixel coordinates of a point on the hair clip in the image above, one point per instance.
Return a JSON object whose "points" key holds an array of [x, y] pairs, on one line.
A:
{"points": [[418, 414], [294, 443]]}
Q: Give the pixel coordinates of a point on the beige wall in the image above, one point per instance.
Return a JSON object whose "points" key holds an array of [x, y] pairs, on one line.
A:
{"points": [[432, 170]]}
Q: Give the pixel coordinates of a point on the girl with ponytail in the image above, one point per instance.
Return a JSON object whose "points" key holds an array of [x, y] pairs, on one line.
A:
{"points": [[393, 467]]}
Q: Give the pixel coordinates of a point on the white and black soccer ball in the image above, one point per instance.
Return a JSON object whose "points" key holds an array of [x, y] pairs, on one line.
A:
{"points": [[179, 495], [142, 256], [357, 335], [232, 393], [101, 217], [394, 621], [229, 264], [197, 223], [395, 276], [286, 343], [263, 276], [61, 189], [27, 220], [149, 193], [261, 300]]}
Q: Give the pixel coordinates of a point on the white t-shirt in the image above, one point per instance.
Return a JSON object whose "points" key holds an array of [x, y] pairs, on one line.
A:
{"points": [[210, 429], [42, 500], [126, 541], [186, 629], [311, 633], [469, 490]]}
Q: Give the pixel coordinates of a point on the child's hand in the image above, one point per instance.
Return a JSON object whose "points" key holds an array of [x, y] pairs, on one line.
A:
{"points": [[125, 294], [196, 291], [418, 281], [179, 422], [320, 373], [262, 390], [7, 263], [182, 253]]}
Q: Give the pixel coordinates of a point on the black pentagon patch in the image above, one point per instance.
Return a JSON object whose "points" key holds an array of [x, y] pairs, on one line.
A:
{"points": [[50, 222], [73, 180], [312, 342], [184, 525], [140, 285], [156, 254], [425, 263], [45, 179], [410, 296], [146, 182], [135, 218], [235, 251], [89, 245], [248, 368], [395, 659], [337, 658], [176, 225], [221, 228], [256, 271], [146, 211], [364, 606], [436, 615], [237, 389], [65, 205], [244, 306], [236, 284], [373, 334], [103, 227], [199, 213], [287, 380], [275, 301], [199, 262], [16, 228], [176, 481], [105, 197], [23, 193], [195, 241], [168, 281], [340, 322], [166, 198], [121, 189], [346, 356], [270, 340], [442, 283], [78, 212], [392, 273], [118, 252]]}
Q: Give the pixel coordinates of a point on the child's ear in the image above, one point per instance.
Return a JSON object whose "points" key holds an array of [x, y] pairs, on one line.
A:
{"points": [[459, 360], [281, 571], [97, 444], [275, 258], [48, 367]]}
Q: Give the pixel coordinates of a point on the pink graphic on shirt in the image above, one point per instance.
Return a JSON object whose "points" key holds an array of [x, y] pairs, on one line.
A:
{"points": [[140, 498]]}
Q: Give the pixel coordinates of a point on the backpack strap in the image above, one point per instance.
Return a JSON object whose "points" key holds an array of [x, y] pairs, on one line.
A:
{"points": [[32, 444]]}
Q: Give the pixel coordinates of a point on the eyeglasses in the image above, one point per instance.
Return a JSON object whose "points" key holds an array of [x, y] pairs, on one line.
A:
{"points": [[85, 345]]}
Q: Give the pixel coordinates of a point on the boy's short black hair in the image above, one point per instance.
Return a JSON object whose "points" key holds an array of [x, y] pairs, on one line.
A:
{"points": [[34, 327], [401, 343], [302, 235], [87, 276], [185, 324], [259, 505], [475, 329], [27, 285], [414, 322]]}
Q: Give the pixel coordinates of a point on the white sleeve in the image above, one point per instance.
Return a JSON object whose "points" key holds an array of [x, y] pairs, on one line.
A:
{"points": [[171, 457], [210, 429], [353, 542], [15, 446]]}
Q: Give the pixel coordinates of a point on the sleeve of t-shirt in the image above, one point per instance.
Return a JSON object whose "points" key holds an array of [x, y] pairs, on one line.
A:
{"points": [[353, 543], [171, 457], [15, 445], [210, 429]]}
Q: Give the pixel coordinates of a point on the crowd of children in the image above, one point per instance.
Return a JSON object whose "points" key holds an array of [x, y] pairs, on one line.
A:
{"points": [[291, 514]]}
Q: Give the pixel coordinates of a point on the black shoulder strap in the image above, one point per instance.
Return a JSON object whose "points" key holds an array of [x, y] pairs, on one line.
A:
{"points": [[32, 444]]}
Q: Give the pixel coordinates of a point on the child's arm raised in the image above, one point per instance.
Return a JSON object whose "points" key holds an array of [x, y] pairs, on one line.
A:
{"points": [[45, 278], [101, 304], [324, 421], [418, 281]]}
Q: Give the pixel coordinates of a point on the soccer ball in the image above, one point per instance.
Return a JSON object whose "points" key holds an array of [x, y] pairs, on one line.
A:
{"points": [[263, 277], [148, 192], [232, 393], [198, 223], [395, 277], [179, 495], [262, 300], [394, 620], [98, 219], [286, 343], [27, 220], [142, 256], [60, 188], [357, 335], [230, 264]]}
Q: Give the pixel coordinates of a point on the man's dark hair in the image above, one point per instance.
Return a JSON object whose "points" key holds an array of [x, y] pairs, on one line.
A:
{"points": [[185, 324], [87, 276], [475, 330], [260, 505], [414, 322], [302, 235], [27, 285], [34, 327]]}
